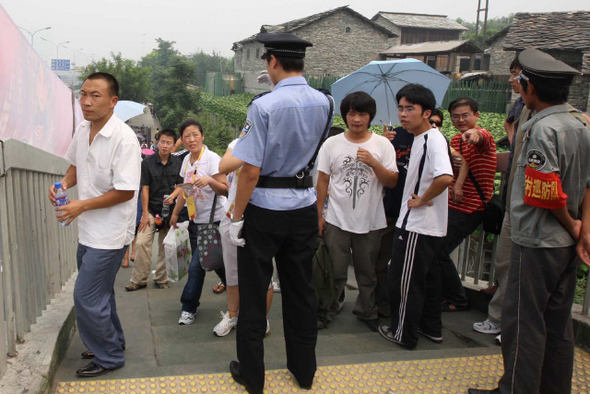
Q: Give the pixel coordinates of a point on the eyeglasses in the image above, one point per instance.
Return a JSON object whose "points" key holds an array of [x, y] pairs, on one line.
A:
{"points": [[522, 76], [436, 123], [168, 143], [408, 110], [462, 116]]}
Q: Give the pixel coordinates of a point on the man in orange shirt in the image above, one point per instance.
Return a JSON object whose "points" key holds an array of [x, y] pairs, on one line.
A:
{"points": [[478, 149]]}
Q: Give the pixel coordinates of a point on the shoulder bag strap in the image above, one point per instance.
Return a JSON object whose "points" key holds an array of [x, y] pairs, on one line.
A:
{"points": [[417, 187], [212, 216], [311, 163], [473, 180]]}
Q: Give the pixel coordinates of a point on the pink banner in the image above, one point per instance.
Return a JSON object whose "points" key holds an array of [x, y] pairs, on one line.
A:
{"points": [[35, 105]]}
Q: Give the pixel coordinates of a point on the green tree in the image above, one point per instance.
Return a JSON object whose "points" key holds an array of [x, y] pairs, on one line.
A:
{"points": [[204, 63], [171, 74], [134, 80], [494, 25]]}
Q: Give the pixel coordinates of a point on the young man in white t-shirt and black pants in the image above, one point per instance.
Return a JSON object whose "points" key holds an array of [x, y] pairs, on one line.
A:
{"points": [[422, 223], [356, 165]]}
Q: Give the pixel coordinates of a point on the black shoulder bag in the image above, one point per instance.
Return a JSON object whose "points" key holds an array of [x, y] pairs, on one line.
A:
{"points": [[493, 213], [209, 242]]}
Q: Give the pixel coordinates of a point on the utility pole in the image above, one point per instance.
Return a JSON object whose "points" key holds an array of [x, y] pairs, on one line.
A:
{"points": [[33, 33], [485, 25], [56, 46]]}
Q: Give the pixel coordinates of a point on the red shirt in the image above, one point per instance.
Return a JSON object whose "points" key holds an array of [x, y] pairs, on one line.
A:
{"points": [[482, 164]]}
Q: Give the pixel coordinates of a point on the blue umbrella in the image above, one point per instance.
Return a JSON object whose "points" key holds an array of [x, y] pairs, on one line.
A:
{"points": [[126, 109], [383, 79]]}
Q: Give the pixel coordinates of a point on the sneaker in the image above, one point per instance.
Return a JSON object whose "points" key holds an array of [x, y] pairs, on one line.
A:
{"points": [[487, 327], [226, 324], [267, 332], [276, 287], [186, 318], [386, 333], [433, 338], [498, 340]]}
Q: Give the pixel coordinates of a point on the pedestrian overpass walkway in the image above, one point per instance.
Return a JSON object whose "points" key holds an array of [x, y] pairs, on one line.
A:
{"points": [[165, 358]]}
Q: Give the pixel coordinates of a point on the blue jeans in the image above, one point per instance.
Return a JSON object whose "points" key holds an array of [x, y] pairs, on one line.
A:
{"points": [[193, 288]]}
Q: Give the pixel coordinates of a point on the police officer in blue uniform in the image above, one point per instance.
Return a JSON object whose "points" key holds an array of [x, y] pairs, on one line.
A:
{"points": [[275, 213]]}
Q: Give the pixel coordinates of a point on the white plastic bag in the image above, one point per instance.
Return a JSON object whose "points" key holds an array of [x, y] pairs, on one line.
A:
{"points": [[177, 247]]}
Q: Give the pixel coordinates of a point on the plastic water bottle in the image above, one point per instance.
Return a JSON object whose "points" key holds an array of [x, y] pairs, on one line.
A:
{"points": [[61, 197], [165, 208]]}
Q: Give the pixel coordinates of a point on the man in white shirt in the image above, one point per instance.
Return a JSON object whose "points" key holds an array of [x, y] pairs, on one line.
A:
{"points": [[356, 165], [105, 161], [414, 278]]}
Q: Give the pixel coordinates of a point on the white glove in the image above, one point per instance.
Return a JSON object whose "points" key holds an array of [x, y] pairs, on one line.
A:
{"points": [[235, 232], [265, 78]]}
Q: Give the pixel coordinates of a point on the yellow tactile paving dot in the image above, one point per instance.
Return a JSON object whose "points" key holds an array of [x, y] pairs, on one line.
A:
{"points": [[449, 375]]}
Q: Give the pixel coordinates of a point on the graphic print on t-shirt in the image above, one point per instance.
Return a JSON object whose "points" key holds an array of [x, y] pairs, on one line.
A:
{"points": [[356, 178]]}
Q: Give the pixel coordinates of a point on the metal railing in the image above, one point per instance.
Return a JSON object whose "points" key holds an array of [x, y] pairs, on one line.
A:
{"points": [[37, 255]]}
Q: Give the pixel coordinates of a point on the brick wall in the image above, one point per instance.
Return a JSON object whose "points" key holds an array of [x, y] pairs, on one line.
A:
{"points": [[342, 44], [580, 89], [499, 58]]}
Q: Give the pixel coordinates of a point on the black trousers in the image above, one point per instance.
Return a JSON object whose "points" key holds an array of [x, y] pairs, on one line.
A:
{"points": [[537, 329], [382, 266], [414, 291], [460, 226], [290, 237]]}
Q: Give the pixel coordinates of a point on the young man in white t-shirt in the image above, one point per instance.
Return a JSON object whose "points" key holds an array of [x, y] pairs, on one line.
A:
{"points": [[356, 165], [414, 278]]}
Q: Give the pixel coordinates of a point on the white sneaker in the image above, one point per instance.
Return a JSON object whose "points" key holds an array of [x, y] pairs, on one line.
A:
{"points": [[487, 327], [226, 324], [186, 318], [276, 287], [267, 332], [498, 340]]}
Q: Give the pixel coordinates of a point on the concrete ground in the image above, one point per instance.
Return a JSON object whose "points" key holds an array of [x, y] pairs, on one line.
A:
{"points": [[158, 346]]}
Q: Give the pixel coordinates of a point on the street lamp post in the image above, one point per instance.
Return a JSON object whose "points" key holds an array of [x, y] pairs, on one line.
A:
{"points": [[56, 46], [33, 33]]}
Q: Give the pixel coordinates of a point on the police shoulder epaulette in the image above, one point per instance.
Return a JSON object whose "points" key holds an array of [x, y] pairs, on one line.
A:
{"points": [[258, 96]]}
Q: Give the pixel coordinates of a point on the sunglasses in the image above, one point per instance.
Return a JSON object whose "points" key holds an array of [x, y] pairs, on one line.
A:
{"points": [[437, 124]]}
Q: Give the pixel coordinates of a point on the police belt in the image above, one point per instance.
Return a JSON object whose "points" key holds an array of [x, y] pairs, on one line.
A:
{"points": [[299, 181]]}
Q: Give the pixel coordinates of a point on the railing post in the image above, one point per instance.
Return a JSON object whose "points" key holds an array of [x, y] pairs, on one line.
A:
{"points": [[8, 326]]}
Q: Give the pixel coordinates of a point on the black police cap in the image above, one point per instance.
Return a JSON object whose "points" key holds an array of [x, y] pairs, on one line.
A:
{"points": [[544, 69], [283, 45]]}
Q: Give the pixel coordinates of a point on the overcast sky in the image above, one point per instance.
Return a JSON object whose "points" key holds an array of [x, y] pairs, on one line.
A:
{"points": [[122, 25]]}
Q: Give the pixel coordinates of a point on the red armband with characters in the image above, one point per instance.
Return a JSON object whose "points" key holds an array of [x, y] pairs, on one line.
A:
{"points": [[543, 190]]}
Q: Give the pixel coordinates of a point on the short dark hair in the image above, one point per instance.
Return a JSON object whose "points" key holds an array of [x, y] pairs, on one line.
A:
{"points": [[471, 103], [548, 94], [110, 80], [360, 102], [167, 132], [289, 64], [417, 94], [439, 113], [515, 64], [190, 122]]}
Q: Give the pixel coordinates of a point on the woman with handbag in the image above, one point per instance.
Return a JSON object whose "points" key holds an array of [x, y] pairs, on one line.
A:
{"points": [[204, 191]]}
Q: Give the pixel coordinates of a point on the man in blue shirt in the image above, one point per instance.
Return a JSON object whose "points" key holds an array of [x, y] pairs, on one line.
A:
{"points": [[275, 212]]}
